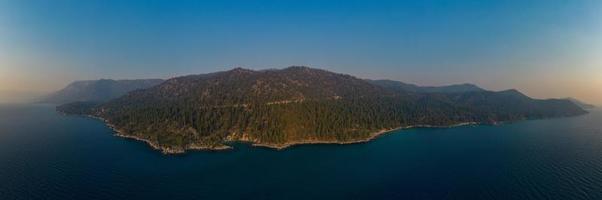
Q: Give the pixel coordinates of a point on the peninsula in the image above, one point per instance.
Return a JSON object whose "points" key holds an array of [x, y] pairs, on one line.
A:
{"points": [[278, 108]]}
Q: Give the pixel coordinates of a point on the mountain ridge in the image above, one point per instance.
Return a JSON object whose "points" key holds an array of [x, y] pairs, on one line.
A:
{"points": [[100, 90], [453, 88]]}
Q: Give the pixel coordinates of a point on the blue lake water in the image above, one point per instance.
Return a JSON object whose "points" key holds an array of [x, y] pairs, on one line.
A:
{"points": [[45, 155]]}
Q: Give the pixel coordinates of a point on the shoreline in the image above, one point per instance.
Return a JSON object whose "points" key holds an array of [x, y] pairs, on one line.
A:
{"points": [[154, 146], [372, 136], [172, 151]]}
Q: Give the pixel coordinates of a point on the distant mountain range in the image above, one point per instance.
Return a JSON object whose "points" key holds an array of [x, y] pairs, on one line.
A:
{"points": [[406, 87], [97, 90], [300, 105]]}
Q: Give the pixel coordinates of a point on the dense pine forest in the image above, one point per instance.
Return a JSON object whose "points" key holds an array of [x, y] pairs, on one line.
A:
{"points": [[299, 105]]}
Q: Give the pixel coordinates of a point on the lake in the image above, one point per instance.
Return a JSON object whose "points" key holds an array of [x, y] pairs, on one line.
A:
{"points": [[46, 155]]}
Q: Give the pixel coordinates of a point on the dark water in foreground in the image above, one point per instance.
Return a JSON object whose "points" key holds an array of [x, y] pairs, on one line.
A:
{"points": [[44, 155]]}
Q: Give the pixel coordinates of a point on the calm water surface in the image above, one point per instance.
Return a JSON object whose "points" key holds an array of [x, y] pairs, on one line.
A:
{"points": [[45, 155]]}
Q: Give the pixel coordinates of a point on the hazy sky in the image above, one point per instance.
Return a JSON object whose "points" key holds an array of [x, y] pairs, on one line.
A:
{"points": [[546, 48]]}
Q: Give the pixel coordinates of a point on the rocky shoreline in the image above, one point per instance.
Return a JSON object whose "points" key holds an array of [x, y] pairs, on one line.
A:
{"points": [[167, 150], [370, 138], [164, 150]]}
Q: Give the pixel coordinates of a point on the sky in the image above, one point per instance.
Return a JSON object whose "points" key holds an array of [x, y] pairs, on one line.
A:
{"points": [[544, 48]]}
